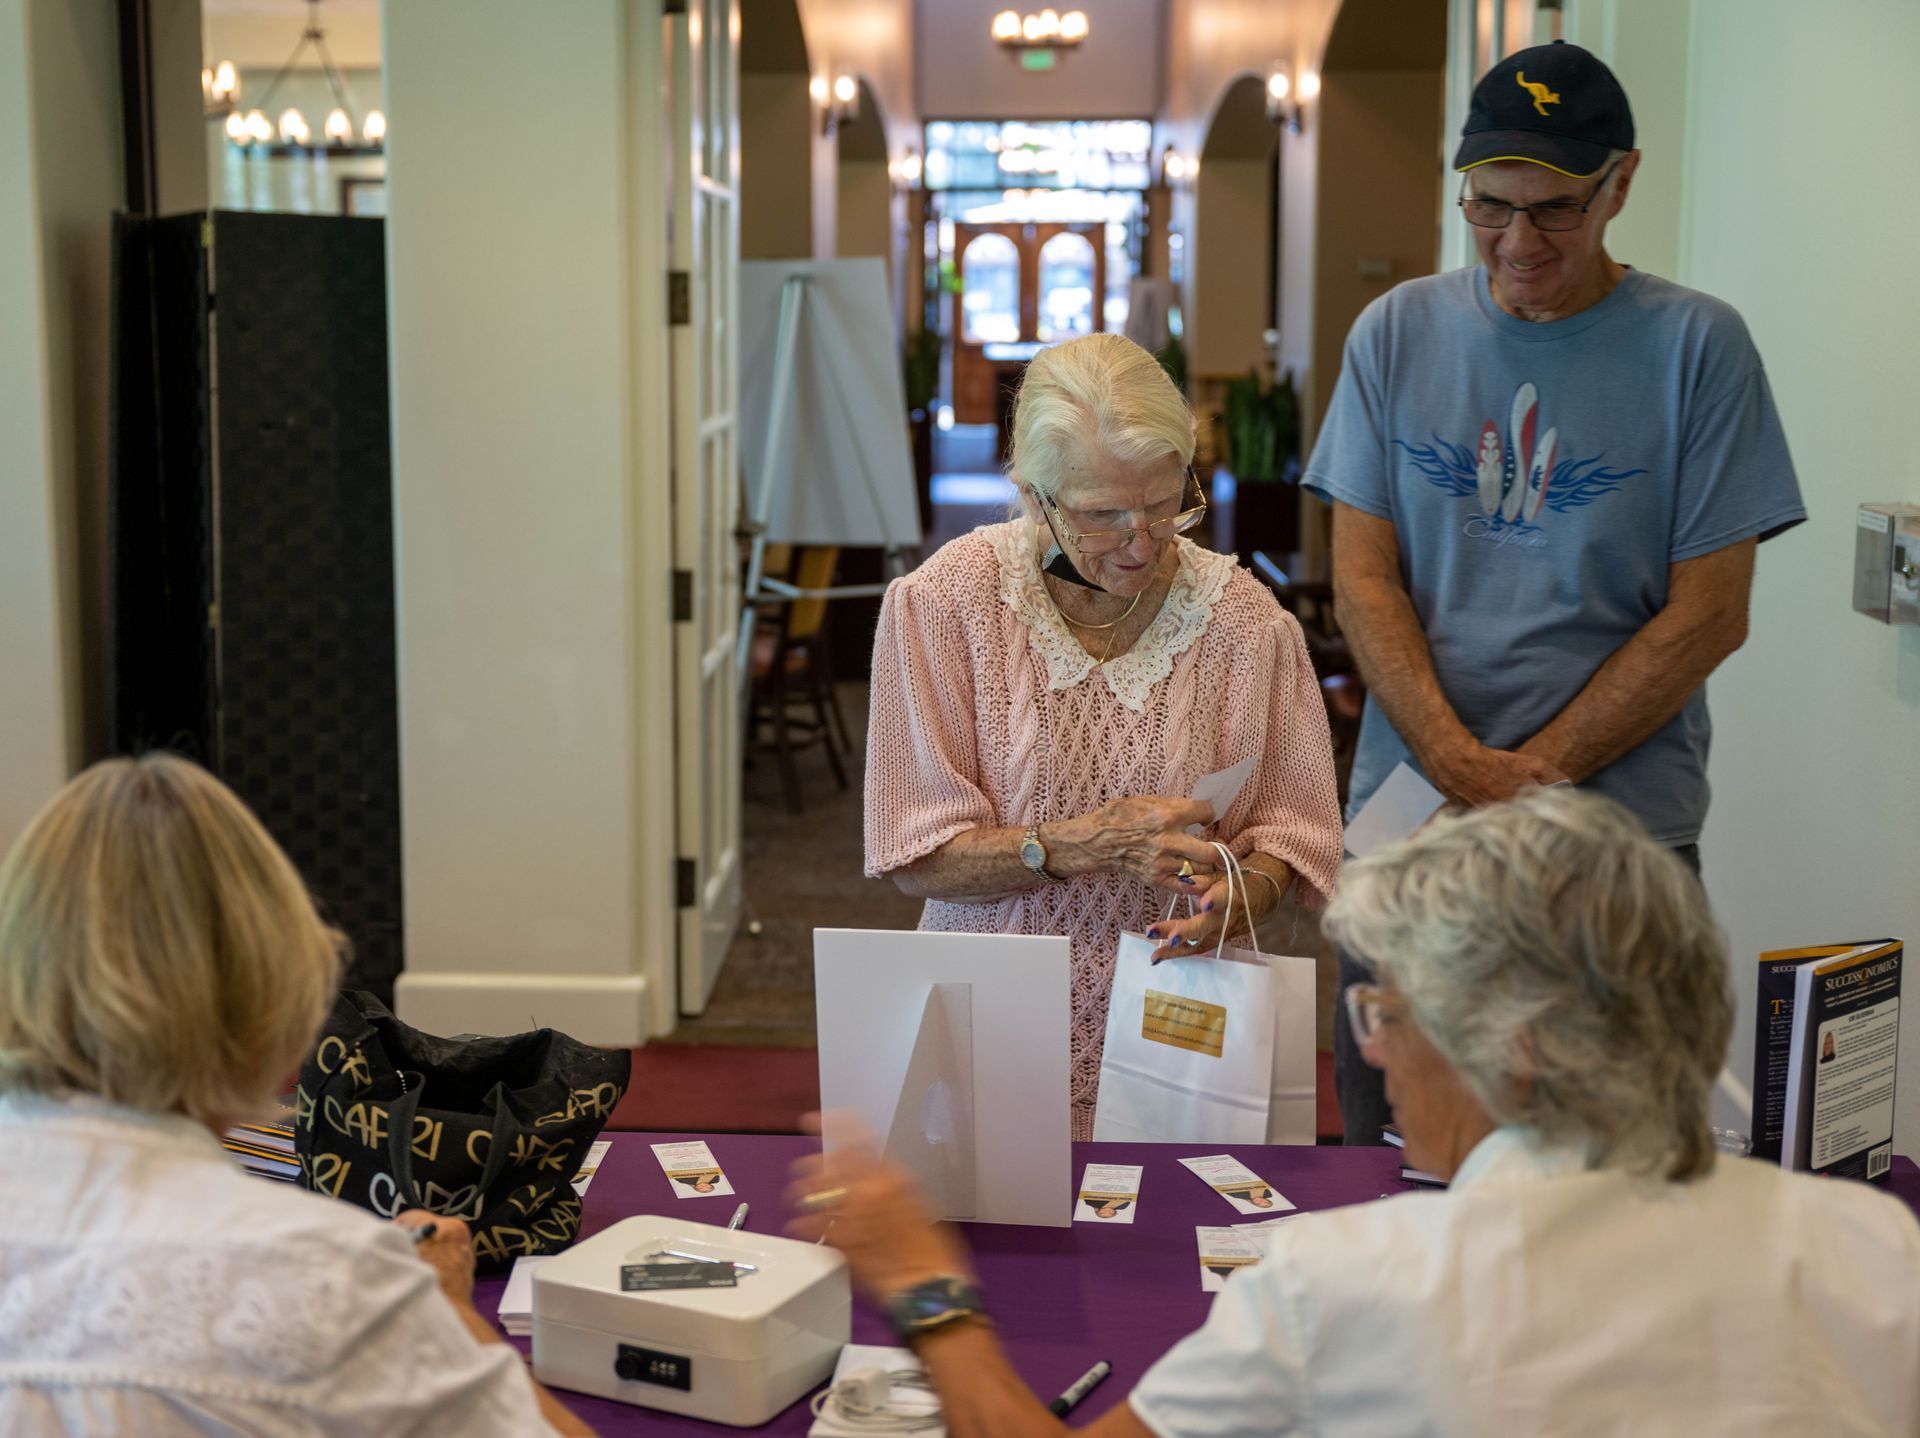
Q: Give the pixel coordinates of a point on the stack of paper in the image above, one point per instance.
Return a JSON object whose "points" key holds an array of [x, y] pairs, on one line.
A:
{"points": [[516, 1303], [265, 1149]]}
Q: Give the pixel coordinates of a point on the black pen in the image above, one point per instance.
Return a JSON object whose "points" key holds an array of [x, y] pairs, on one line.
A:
{"points": [[1070, 1400]]}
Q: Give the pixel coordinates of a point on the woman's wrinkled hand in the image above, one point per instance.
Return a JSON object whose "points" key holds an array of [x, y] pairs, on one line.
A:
{"points": [[449, 1252], [1146, 836], [874, 1214], [1198, 934]]}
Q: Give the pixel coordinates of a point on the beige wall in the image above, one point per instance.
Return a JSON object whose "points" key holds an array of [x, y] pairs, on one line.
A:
{"points": [[1229, 236], [865, 212], [777, 145], [60, 180], [532, 517], [1114, 75], [1379, 169]]}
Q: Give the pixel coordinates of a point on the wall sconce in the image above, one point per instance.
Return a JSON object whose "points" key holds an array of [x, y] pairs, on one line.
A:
{"points": [[1286, 100], [839, 101], [1178, 171], [1282, 109], [905, 171]]}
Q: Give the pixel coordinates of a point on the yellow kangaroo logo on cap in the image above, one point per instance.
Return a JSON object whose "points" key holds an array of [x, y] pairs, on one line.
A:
{"points": [[1542, 96]]}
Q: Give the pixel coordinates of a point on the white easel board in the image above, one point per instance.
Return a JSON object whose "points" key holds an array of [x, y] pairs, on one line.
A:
{"points": [[953, 1050], [841, 470]]}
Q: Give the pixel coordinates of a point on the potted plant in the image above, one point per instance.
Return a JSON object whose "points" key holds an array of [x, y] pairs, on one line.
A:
{"points": [[1261, 429]]}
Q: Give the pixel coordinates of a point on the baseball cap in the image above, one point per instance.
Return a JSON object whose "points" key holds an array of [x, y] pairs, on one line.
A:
{"points": [[1555, 105]]}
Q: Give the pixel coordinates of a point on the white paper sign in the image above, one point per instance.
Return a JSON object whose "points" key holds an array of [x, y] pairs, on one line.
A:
{"points": [[691, 1170], [1109, 1193], [1222, 789], [1398, 807], [1237, 1184], [953, 1050]]}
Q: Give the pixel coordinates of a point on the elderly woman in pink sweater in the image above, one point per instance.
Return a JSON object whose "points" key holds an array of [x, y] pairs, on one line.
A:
{"points": [[1046, 692]]}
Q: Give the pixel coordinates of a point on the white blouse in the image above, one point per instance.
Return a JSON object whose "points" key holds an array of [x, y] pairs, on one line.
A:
{"points": [[150, 1286], [1536, 1297]]}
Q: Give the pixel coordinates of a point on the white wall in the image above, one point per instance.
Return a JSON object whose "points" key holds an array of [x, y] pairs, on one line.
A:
{"points": [[1114, 75], [1815, 831], [526, 282], [59, 182]]}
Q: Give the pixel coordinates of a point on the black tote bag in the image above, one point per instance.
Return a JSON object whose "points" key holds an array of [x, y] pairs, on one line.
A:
{"points": [[488, 1130]]}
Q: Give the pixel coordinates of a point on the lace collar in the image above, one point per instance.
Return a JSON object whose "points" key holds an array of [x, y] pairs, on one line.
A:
{"points": [[1197, 585]]}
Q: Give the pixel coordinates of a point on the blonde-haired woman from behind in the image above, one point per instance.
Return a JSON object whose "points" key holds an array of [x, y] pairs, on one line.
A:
{"points": [[162, 970]]}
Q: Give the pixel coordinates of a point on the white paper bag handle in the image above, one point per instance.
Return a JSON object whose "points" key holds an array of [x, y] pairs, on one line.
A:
{"points": [[1236, 878]]}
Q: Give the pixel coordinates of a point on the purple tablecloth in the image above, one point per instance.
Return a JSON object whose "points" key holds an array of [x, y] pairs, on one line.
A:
{"points": [[1061, 1297]]}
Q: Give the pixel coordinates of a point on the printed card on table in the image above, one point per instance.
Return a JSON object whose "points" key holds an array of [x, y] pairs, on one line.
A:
{"points": [[1109, 1193], [1237, 1184], [1223, 1250], [691, 1170], [591, 1165]]}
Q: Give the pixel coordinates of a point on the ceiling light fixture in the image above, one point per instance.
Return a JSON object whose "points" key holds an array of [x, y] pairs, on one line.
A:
{"points": [[1037, 41], [221, 89]]}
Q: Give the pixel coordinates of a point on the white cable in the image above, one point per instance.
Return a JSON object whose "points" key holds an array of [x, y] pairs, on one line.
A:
{"points": [[862, 1402]]}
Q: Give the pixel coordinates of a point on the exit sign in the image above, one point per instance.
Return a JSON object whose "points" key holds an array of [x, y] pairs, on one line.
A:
{"points": [[1037, 59]]}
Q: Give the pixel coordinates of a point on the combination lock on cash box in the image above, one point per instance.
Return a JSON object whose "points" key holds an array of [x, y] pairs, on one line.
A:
{"points": [[647, 1365]]}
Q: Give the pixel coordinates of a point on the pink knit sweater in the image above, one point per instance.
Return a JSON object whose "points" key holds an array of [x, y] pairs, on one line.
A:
{"points": [[987, 712]]}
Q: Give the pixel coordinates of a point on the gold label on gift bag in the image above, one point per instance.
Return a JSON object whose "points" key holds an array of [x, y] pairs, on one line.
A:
{"points": [[1188, 1024]]}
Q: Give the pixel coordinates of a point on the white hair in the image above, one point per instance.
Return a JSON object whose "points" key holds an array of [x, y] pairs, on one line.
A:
{"points": [[1096, 396], [1564, 964]]}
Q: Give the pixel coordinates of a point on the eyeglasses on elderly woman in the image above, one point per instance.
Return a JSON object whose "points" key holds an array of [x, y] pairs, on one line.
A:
{"points": [[1193, 508], [1368, 1006]]}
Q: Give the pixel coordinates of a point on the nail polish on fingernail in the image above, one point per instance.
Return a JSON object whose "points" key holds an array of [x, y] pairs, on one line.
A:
{"points": [[1153, 933], [1207, 908]]}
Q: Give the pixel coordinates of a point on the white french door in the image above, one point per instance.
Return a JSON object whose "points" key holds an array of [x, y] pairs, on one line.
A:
{"points": [[703, 86]]}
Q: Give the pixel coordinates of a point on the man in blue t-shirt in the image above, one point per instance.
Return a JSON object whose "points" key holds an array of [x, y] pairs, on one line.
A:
{"points": [[1549, 473]]}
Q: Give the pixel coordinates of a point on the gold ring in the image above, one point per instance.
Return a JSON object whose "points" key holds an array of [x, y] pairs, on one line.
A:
{"points": [[1186, 868], [825, 1198]]}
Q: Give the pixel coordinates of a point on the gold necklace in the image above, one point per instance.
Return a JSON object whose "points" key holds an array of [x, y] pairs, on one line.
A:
{"points": [[1095, 628]]}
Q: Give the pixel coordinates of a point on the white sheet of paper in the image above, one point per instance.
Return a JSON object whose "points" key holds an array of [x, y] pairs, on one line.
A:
{"points": [[871, 988], [1222, 788], [1108, 1193], [1237, 1184], [856, 1356], [591, 1166], [691, 1170], [1398, 807], [516, 1301]]}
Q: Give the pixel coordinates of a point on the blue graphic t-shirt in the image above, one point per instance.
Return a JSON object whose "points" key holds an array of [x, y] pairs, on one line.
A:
{"points": [[1540, 479]]}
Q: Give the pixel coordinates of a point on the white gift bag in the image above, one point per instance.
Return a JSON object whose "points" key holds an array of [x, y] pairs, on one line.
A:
{"points": [[1212, 1049]]}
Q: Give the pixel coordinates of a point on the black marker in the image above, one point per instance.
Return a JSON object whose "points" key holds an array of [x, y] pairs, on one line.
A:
{"points": [[1070, 1400]]}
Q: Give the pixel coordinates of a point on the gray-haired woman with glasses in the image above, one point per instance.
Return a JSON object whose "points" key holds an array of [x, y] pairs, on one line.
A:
{"points": [[1047, 691]]}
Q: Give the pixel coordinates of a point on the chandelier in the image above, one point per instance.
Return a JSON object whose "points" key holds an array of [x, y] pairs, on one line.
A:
{"points": [[1038, 40], [290, 133]]}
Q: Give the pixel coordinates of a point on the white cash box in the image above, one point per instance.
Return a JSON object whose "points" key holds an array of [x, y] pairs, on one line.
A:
{"points": [[729, 1355]]}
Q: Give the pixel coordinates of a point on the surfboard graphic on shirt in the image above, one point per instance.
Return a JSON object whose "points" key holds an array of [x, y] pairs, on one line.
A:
{"points": [[1487, 473], [1519, 455], [1518, 476]]}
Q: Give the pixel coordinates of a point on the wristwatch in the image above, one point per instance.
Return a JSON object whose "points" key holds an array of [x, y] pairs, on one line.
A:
{"points": [[1033, 853], [927, 1307]]}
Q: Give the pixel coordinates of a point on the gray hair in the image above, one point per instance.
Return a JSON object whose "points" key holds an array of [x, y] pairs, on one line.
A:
{"points": [[1564, 964], [1098, 395]]}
